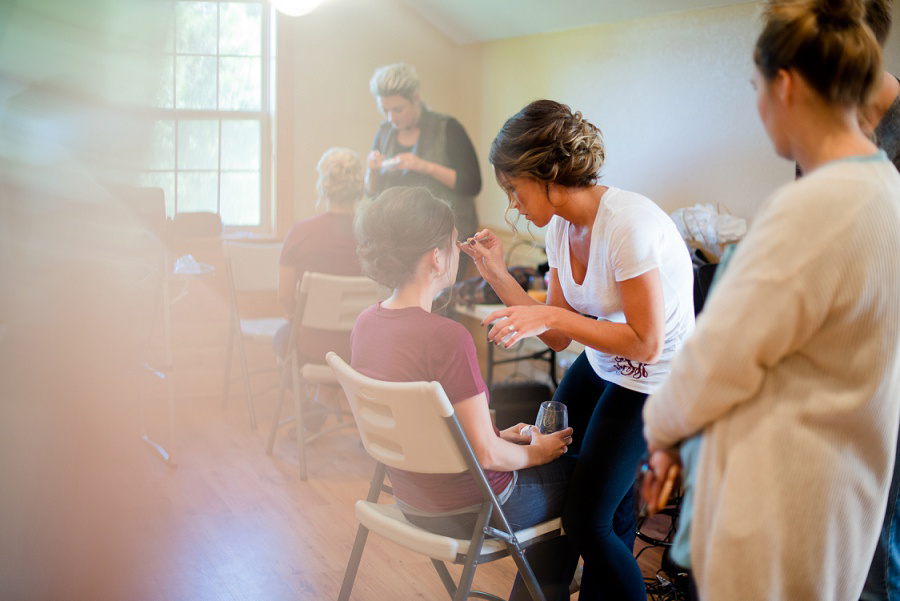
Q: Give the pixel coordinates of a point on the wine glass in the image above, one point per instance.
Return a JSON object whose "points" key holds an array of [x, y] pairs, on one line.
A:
{"points": [[552, 417]]}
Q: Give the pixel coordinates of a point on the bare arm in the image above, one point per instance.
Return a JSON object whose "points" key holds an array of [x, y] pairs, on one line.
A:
{"points": [[556, 323], [486, 251], [498, 454], [640, 338]]}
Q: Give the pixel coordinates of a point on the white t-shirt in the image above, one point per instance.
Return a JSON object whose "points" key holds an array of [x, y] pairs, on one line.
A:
{"points": [[631, 236]]}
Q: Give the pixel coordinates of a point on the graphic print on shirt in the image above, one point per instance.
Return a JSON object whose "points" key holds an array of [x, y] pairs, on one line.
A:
{"points": [[631, 369]]}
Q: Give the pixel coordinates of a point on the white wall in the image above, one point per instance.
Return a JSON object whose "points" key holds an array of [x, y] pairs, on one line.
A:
{"points": [[336, 50], [892, 48], [672, 95]]}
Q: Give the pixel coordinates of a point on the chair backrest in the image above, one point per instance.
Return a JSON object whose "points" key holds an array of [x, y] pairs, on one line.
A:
{"points": [[404, 425], [253, 267], [333, 302]]}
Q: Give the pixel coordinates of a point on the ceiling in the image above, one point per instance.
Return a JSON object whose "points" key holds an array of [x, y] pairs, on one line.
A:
{"points": [[472, 21]]}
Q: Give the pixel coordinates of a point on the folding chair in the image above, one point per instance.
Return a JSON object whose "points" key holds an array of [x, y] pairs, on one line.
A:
{"points": [[328, 303], [412, 426], [252, 272]]}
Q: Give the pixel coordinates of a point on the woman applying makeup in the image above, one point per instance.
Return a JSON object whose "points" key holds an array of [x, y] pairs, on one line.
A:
{"points": [[621, 283]]}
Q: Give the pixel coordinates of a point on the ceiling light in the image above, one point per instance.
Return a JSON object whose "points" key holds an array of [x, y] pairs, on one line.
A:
{"points": [[296, 8]]}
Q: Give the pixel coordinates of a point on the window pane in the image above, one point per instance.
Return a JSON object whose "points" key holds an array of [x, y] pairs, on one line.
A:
{"points": [[166, 181], [195, 82], [240, 145], [239, 84], [240, 199], [213, 63], [196, 25], [165, 91], [162, 153], [240, 28], [198, 145], [197, 191]]}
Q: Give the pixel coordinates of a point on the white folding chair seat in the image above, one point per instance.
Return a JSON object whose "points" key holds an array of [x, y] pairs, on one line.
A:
{"points": [[261, 328], [252, 269], [412, 426], [387, 520], [328, 303]]}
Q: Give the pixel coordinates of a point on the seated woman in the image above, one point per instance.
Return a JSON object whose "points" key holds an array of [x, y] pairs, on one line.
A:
{"points": [[324, 244], [407, 242]]}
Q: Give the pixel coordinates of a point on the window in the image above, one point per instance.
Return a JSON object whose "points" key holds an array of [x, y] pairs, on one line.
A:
{"points": [[211, 147]]}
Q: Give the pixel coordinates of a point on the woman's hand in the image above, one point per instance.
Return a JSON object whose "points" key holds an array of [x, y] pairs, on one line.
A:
{"points": [[407, 161], [374, 160], [514, 434], [551, 446], [514, 323], [486, 251], [662, 471]]}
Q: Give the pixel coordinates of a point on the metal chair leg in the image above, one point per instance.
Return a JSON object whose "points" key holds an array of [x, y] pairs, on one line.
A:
{"points": [[527, 573], [445, 577], [353, 565], [362, 533], [298, 409], [468, 573], [226, 386], [245, 371], [279, 403]]}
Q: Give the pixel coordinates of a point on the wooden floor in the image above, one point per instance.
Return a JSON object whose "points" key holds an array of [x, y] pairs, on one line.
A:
{"points": [[230, 522]]}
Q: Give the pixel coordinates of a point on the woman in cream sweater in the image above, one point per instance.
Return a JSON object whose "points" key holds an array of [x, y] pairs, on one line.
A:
{"points": [[792, 376]]}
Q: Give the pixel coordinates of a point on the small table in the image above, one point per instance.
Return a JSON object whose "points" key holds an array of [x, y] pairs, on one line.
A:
{"points": [[183, 273]]}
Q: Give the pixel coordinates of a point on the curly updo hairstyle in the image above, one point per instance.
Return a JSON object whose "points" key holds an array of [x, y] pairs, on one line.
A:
{"points": [[341, 177], [550, 143], [399, 226], [827, 42]]}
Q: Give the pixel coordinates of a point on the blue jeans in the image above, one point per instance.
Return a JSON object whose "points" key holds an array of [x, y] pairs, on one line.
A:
{"points": [[608, 450], [539, 494], [883, 581]]}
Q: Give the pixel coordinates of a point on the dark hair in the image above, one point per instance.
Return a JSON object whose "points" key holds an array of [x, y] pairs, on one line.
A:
{"points": [[399, 226], [826, 42], [878, 18], [550, 143]]}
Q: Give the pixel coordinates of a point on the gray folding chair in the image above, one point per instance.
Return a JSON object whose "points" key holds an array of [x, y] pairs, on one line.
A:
{"points": [[328, 303], [252, 269], [412, 426]]}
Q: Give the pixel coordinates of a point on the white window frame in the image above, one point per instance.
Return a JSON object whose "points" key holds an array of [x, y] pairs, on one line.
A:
{"points": [[263, 116]]}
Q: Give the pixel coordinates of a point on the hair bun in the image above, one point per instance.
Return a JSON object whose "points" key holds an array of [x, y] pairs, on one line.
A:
{"points": [[839, 14]]}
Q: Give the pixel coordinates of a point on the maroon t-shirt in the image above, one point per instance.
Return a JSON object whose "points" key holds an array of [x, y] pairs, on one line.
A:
{"points": [[413, 345], [324, 244]]}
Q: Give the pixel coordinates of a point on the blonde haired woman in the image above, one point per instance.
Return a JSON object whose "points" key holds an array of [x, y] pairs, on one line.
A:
{"points": [[793, 374], [323, 243]]}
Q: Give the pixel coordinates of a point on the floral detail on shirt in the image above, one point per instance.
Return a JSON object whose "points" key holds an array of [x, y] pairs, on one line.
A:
{"points": [[631, 369]]}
